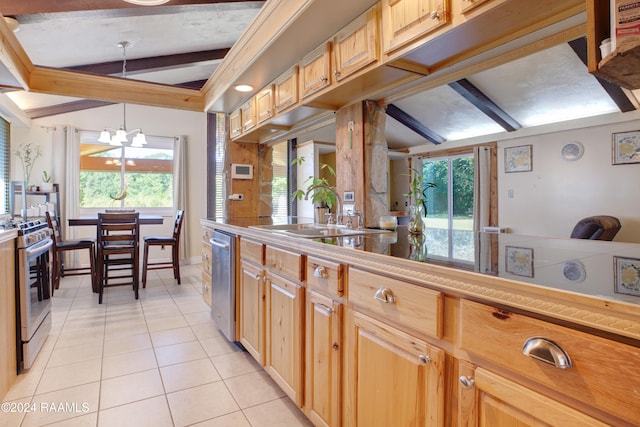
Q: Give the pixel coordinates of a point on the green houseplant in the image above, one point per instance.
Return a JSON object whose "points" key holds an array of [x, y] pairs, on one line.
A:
{"points": [[418, 200], [46, 185], [323, 194]]}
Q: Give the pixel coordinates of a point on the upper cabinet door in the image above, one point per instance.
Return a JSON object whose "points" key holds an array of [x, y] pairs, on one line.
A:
{"points": [[264, 104], [404, 21], [315, 70], [286, 90], [356, 45], [248, 115], [235, 123]]}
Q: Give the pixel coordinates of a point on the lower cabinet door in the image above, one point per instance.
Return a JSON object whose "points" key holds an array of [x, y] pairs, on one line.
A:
{"points": [[252, 310], [284, 332], [488, 399], [323, 395], [392, 378]]}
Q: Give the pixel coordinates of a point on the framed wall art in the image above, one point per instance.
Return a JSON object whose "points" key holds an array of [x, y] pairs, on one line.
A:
{"points": [[626, 272], [519, 261], [518, 159], [626, 147]]}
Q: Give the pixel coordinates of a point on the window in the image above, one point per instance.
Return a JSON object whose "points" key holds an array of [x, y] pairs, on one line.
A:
{"points": [[279, 187], [5, 164], [114, 177], [219, 191], [450, 206]]}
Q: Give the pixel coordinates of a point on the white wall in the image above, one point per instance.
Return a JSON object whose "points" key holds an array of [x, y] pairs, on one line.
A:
{"points": [[557, 193], [154, 121]]}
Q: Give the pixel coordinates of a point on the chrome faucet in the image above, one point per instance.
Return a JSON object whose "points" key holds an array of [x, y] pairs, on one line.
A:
{"points": [[339, 210]]}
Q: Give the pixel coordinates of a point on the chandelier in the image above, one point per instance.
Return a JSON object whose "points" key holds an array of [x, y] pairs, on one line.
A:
{"points": [[117, 137]]}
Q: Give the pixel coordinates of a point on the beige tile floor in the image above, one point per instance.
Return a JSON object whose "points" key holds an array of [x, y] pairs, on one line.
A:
{"points": [[157, 361]]}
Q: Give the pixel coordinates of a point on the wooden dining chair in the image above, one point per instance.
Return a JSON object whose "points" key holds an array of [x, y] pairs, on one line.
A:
{"points": [[173, 241], [60, 246], [118, 250]]}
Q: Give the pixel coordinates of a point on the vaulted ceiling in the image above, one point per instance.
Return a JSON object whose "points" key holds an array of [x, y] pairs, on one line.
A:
{"points": [[182, 42]]}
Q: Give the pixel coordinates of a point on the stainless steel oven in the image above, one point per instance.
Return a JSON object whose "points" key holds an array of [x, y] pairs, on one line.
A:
{"points": [[33, 289]]}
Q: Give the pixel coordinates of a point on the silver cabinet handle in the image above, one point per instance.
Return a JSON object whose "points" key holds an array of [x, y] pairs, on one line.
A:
{"points": [[257, 276], [467, 382], [424, 359], [324, 79], [547, 351], [385, 295], [320, 272]]}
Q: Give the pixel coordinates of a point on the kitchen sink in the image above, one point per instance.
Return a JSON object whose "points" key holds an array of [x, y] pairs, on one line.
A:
{"points": [[311, 231]]}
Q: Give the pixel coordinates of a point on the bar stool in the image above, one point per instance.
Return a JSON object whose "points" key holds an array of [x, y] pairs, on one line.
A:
{"points": [[60, 246], [173, 241], [118, 250]]}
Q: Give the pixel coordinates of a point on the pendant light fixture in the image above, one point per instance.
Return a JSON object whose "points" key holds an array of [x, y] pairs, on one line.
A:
{"points": [[117, 137]]}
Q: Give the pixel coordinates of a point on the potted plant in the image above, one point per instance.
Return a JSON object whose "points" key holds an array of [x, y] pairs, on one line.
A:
{"points": [[323, 193], [28, 155], [417, 200], [46, 185]]}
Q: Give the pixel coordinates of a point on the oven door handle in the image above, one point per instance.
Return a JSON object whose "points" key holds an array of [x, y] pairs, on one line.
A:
{"points": [[39, 248]]}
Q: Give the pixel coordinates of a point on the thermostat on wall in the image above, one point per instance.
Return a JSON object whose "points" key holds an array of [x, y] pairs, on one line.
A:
{"points": [[239, 171]]}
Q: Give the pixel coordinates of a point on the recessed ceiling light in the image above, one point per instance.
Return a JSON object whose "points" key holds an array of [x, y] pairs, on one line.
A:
{"points": [[147, 2], [244, 88], [12, 23]]}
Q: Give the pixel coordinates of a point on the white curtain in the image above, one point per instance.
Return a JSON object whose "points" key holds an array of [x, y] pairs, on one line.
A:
{"points": [[69, 185], [481, 187], [481, 206], [180, 189]]}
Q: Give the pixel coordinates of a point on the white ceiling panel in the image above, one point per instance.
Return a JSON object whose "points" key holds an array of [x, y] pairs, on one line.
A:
{"points": [[547, 87]]}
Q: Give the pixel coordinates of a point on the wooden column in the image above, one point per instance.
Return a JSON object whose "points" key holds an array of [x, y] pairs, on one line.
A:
{"points": [[362, 164]]}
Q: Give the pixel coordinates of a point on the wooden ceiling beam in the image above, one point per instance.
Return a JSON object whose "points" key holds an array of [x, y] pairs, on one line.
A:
{"points": [[615, 92], [413, 124], [481, 101], [105, 88], [154, 63]]}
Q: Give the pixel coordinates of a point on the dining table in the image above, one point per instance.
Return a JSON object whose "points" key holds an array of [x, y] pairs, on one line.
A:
{"points": [[92, 220]]}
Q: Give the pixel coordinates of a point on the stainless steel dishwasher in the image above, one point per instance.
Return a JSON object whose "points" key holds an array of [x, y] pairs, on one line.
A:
{"points": [[223, 280]]}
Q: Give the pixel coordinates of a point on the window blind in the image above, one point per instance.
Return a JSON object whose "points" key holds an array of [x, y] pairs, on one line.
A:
{"points": [[5, 163], [219, 165]]}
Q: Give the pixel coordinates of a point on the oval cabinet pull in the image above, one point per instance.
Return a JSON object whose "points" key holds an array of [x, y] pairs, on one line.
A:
{"points": [[424, 359], [320, 272], [467, 382], [385, 295], [547, 351]]}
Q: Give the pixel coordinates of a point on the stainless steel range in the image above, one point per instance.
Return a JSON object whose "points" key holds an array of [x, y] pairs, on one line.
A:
{"points": [[33, 289]]}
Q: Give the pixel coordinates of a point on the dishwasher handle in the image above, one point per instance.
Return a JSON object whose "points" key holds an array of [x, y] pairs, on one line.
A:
{"points": [[222, 245]]}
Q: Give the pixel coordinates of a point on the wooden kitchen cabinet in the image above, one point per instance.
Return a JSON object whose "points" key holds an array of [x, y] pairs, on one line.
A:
{"points": [[264, 104], [251, 318], [488, 399], [467, 5], [323, 373], [315, 70], [284, 335], [249, 119], [235, 123], [8, 364], [356, 45], [405, 21], [392, 378], [285, 89], [596, 381]]}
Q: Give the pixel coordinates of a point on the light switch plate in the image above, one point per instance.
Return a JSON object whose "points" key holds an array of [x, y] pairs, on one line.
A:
{"points": [[348, 197]]}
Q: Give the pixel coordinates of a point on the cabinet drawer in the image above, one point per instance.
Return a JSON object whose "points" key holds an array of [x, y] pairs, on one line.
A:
{"points": [[206, 234], [252, 251], [603, 371], [410, 305], [288, 264], [206, 258], [325, 275]]}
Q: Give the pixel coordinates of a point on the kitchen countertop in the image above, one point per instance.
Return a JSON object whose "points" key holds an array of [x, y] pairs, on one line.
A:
{"points": [[7, 235], [584, 281]]}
